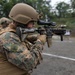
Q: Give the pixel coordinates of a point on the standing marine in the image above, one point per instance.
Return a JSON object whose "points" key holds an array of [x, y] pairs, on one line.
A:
{"points": [[13, 48]]}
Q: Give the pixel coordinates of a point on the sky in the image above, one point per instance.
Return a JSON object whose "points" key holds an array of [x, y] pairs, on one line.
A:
{"points": [[54, 2]]}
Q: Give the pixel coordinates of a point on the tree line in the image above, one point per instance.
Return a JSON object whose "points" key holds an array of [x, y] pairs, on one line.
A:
{"points": [[62, 9]]}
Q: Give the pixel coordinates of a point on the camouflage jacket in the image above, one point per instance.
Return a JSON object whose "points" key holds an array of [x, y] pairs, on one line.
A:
{"points": [[17, 52]]}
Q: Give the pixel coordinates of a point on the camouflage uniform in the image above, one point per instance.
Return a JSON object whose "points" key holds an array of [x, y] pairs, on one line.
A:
{"points": [[17, 52]]}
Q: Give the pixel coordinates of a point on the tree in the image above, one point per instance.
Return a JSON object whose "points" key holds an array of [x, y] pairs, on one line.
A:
{"points": [[39, 5], [73, 4], [73, 7], [44, 7], [62, 8], [5, 7]]}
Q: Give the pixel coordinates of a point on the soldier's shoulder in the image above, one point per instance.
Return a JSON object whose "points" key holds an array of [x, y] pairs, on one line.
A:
{"points": [[9, 35]]}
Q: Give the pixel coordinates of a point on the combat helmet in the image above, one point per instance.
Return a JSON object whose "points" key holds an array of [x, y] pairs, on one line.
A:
{"points": [[23, 13], [5, 21]]}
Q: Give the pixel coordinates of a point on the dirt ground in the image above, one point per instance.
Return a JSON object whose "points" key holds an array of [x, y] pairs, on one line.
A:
{"points": [[59, 59]]}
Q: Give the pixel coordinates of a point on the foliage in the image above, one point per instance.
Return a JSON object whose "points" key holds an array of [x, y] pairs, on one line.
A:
{"points": [[40, 5], [73, 7], [62, 8], [73, 4]]}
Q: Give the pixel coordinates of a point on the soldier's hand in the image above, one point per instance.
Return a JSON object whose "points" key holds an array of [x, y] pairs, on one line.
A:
{"points": [[42, 38], [41, 30], [32, 37]]}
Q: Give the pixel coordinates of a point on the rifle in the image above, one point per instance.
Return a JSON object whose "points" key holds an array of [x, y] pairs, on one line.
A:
{"points": [[49, 28]]}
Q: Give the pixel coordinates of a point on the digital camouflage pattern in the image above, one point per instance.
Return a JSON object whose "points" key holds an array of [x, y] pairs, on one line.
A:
{"points": [[17, 52]]}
